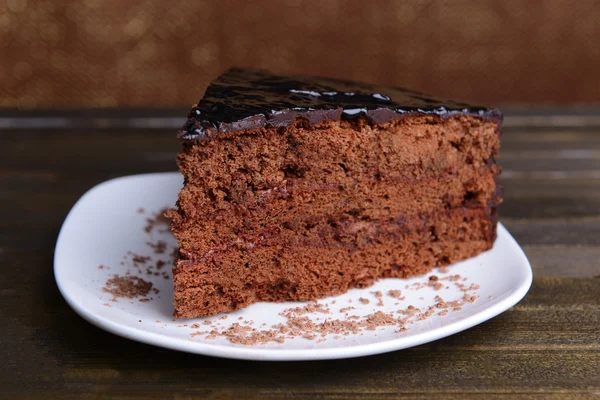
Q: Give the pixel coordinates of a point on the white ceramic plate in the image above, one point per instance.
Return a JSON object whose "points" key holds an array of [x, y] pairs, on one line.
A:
{"points": [[107, 223]]}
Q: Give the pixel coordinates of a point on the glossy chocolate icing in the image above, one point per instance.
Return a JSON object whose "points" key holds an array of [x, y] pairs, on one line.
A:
{"points": [[247, 98]]}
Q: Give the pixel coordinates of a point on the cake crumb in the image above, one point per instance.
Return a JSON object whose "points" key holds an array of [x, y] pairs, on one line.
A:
{"points": [[159, 247], [394, 293], [364, 301], [158, 219], [127, 286], [137, 259], [307, 309], [379, 296]]}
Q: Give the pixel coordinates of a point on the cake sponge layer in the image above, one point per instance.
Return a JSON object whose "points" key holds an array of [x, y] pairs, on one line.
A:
{"points": [[324, 265], [302, 211], [250, 184]]}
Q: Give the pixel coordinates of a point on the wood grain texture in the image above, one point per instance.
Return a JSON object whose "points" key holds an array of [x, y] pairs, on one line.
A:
{"points": [[546, 347]]}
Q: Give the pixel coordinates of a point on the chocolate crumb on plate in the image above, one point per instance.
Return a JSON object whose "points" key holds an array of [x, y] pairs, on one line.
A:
{"points": [[127, 286], [379, 296], [158, 220], [159, 247]]}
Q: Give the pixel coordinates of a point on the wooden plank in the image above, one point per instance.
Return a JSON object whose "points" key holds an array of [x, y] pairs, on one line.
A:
{"points": [[577, 261], [550, 151], [559, 232], [548, 187], [549, 138], [104, 150], [545, 206]]}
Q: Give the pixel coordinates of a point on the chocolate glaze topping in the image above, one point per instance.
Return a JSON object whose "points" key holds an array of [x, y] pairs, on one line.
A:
{"points": [[247, 98]]}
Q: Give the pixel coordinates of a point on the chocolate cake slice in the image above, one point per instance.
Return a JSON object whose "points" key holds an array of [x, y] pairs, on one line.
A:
{"points": [[298, 188]]}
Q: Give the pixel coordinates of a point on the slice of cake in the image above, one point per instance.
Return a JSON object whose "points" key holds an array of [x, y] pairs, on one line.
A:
{"points": [[298, 188]]}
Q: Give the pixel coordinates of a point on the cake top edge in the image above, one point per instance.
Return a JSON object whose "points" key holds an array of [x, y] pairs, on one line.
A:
{"points": [[244, 98]]}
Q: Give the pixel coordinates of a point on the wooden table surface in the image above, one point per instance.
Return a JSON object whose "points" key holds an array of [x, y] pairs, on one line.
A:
{"points": [[546, 347]]}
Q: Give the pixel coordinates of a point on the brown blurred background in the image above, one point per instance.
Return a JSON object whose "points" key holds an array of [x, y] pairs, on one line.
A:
{"points": [[94, 53]]}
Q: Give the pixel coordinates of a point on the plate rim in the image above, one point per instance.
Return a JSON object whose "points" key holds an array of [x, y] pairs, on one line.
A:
{"points": [[261, 354]]}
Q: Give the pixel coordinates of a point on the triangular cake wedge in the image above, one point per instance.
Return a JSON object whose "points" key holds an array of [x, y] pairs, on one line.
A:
{"points": [[298, 188]]}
